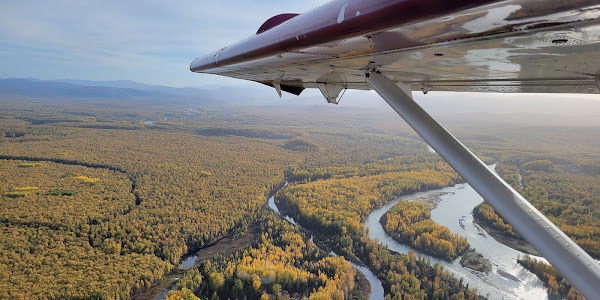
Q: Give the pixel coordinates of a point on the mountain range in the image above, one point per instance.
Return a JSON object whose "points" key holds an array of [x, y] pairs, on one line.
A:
{"points": [[87, 90], [509, 108]]}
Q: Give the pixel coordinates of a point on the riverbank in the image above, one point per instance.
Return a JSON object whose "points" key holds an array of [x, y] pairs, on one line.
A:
{"points": [[470, 259], [474, 260], [454, 211], [230, 243], [514, 243], [363, 289], [225, 246], [367, 285], [159, 288], [430, 201]]}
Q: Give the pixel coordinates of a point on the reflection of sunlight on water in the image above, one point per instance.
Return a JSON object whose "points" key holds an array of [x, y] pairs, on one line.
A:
{"points": [[505, 267], [531, 287], [457, 203], [482, 283], [189, 262], [291, 220]]}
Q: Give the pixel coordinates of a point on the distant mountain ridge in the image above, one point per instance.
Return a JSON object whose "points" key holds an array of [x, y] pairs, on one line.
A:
{"points": [[539, 109], [57, 89], [125, 90], [128, 84]]}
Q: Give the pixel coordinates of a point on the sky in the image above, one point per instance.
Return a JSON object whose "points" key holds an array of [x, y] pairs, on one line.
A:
{"points": [[148, 41]]}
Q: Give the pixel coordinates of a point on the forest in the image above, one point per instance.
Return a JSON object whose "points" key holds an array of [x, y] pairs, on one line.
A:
{"points": [[410, 223], [101, 205], [569, 199], [334, 200], [282, 264], [98, 203]]}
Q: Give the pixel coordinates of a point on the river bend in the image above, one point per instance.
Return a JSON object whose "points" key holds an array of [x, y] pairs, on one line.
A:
{"points": [[507, 280]]}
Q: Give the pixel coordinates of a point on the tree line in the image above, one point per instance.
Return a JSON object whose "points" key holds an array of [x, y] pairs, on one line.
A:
{"points": [[410, 223]]}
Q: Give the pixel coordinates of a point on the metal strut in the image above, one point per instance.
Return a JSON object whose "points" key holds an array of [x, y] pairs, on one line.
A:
{"points": [[578, 267]]}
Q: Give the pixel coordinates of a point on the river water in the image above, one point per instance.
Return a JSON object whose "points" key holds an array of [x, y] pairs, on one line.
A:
{"points": [[186, 264], [376, 287], [507, 280]]}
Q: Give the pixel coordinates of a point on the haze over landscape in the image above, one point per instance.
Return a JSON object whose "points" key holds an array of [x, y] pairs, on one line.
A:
{"points": [[126, 176]]}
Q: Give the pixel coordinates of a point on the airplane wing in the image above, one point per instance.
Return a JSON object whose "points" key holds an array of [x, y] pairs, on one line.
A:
{"points": [[514, 46]]}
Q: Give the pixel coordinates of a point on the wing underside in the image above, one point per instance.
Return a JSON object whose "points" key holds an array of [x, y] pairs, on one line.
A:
{"points": [[508, 46]]}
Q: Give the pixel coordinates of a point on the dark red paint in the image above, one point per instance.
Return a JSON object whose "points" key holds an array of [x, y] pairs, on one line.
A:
{"points": [[274, 21], [321, 25]]}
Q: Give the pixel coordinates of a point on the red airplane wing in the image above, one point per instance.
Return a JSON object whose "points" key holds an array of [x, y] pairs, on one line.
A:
{"points": [[514, 46]]}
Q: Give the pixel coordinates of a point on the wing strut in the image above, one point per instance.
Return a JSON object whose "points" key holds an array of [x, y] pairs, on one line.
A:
{"points": [[578, 267]]}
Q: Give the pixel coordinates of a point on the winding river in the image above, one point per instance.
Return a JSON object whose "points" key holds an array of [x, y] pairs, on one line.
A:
{"points": [[376, 287], [507, 280]]}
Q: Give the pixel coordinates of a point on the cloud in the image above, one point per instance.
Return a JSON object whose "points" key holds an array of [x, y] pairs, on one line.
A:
{"points": [[144, 39]]}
